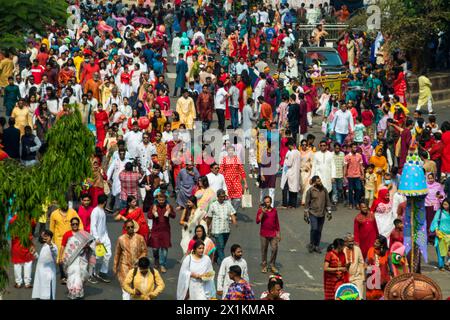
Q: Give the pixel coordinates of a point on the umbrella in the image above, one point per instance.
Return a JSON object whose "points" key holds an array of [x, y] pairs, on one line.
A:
{"points": [[142, 20]]}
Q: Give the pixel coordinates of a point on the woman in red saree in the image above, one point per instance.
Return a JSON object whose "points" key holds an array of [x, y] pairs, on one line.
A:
{"points": [[400, 87], [365, 229], [232, 42], [342, 48], [377, 269], [335, 272], [163, 101], [101, 121], [98, 180], [133, 212], [243, 50]]}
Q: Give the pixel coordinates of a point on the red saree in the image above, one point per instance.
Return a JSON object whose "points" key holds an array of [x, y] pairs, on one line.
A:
{"points": [[333, 279], [138, 216]]}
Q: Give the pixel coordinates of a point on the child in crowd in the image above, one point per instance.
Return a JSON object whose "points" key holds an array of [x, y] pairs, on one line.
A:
{"points": [[367, 118], [359, 131], [370, 185]]}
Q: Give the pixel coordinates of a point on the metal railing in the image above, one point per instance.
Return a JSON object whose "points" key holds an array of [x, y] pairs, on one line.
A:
{"points": [[334, 30]]}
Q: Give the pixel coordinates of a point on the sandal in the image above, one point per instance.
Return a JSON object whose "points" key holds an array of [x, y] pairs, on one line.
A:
{"points": [[264, 269]]}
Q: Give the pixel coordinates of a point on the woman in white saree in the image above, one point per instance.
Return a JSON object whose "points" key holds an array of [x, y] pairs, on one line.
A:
{"points": [[79, 259], [196, 279], [190, 219]]}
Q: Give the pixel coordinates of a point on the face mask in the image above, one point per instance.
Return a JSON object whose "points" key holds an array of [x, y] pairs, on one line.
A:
{"points": [[387, 181]]}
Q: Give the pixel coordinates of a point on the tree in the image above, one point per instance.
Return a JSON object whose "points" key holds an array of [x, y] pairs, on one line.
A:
{"points": [[409, 25], [23, 190], [20, 17]]}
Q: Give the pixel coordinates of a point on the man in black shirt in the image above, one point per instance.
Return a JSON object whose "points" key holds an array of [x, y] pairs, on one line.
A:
{"points": [[11, 140]]}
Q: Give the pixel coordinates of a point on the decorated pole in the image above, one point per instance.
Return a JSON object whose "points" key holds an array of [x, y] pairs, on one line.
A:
{"points": [[413, 185]]}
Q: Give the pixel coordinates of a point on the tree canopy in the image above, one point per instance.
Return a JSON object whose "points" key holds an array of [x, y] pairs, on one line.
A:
{"points": [[20, 17], [409, 25], [24, 190]]}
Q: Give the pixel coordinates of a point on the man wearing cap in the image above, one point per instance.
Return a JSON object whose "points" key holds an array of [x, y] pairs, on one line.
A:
{"points": [[130, 248]]}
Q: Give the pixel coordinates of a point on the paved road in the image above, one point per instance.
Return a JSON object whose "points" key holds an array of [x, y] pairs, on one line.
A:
{"points": [[302, 272]]}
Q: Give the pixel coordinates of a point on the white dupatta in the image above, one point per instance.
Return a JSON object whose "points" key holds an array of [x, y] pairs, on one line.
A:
{"points": [[198, 289]]}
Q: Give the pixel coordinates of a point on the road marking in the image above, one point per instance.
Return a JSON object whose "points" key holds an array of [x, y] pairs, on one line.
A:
{"points": [[306, 272]]}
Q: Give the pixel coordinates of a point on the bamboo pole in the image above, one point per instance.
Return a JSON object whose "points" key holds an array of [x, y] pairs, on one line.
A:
{"points": [[412, 234]]}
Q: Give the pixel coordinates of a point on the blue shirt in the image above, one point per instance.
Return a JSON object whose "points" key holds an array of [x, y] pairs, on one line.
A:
{"points": [[148, 54], [270, 33], [158, 67]]}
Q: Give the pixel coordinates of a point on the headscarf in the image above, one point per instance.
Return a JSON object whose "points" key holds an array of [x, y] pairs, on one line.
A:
{"points": [[382, 194], [366, 150]]}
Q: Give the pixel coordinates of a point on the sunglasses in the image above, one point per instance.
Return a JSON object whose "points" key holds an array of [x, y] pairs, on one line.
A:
{"points": [[74, 224], [129, 227]]}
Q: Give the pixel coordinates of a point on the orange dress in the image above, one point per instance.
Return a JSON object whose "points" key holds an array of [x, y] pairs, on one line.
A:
{"points": [[379, 275]]}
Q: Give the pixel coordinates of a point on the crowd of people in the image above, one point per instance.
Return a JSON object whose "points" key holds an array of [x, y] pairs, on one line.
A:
{"points": [[237, 64]]}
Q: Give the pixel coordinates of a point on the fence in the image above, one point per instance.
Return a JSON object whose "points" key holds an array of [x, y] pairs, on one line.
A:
{"points": [[334, 31]]}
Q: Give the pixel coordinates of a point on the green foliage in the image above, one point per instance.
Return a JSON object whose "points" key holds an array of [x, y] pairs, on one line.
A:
{"points": [[20, 17], [409, 25], [66, 162]]}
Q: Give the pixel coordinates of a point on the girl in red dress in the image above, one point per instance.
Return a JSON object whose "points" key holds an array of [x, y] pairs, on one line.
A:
{"points": [[335, 271], [101, 123]]}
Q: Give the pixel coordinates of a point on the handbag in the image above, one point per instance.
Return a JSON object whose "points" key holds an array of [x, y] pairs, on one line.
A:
{"points": [[246, 200], [100, 250]]}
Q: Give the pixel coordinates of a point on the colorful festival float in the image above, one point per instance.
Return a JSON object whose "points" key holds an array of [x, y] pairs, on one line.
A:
{"points": [[413, 285]]}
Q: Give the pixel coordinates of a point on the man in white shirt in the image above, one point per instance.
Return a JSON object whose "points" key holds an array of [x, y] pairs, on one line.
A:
{"points": [[133, 139], [233, 92], [223, 280], [115, 97], [323, 165], [116, 167], [248, 120], [216, 180], [167, 134], [343, 119], [220, 102], [241, 66], [145, 151], [263, 16], [100, 233]]}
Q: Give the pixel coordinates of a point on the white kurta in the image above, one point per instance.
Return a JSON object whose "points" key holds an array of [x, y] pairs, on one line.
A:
{"points": [[198, 289], [114, 170], [323, 167], [44, 286], [291, 170], [188, 233]]}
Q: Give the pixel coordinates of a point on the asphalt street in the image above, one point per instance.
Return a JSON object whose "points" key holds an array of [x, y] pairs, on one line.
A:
{"points": [[302, 272]]}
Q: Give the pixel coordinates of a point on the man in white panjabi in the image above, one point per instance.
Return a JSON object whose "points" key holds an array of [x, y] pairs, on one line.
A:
{"points": [[223, 280], [44, 286], [354, 257], [176, 46], [290, 179], [323, 165]]}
